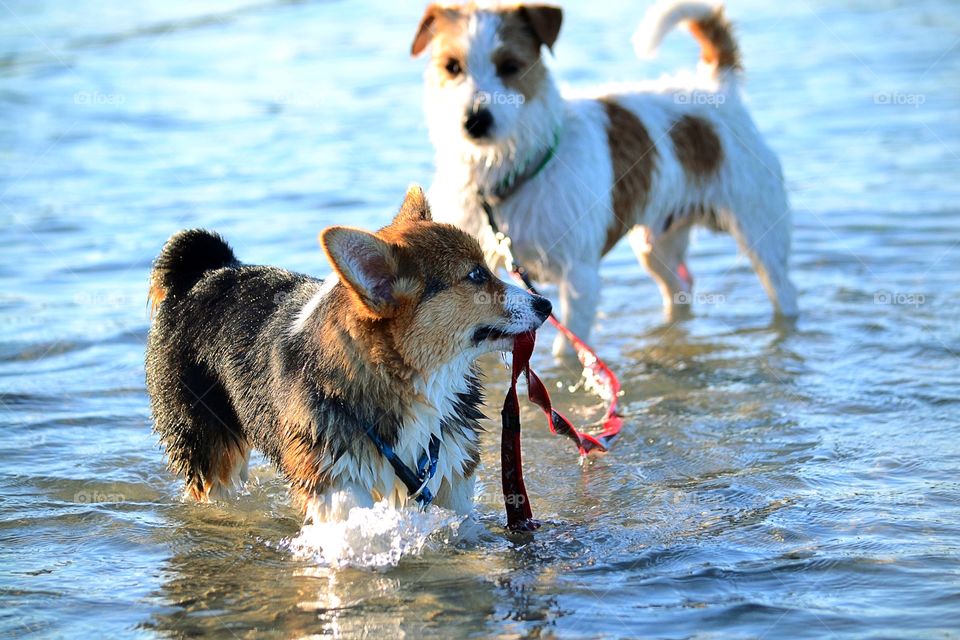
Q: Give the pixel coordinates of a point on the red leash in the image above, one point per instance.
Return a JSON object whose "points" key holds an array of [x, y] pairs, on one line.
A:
{"points": [[516, 502], [599, 376]]}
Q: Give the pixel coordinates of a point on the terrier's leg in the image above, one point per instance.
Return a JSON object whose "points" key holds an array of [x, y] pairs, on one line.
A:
{"points": [[664, 258], [767, 244], [579, 297]]}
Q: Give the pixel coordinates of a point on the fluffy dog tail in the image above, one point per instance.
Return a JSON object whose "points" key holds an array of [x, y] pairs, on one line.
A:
{"points": [[184, 259], [708, 24]]}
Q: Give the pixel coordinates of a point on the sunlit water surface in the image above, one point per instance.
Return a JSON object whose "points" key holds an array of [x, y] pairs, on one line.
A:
{"points": [[772, 481]]}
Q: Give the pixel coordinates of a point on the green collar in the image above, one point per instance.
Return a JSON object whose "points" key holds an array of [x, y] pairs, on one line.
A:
{"points": [[522, 172]]}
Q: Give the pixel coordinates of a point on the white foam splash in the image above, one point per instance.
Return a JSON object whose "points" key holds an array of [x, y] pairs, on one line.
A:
{"points": [[374, 537]]}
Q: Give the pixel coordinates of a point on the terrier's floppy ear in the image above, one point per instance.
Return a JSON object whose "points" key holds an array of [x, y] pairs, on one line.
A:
{"points": [[415, 207], [366, 264], [425, 31], [544, 20]]}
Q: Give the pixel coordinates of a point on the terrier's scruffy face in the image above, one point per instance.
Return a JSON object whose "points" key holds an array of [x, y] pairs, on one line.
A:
{"points": [[485, 68]]}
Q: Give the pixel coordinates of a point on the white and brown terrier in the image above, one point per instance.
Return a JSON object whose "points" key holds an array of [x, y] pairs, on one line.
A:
{"points": [[566, 177]]}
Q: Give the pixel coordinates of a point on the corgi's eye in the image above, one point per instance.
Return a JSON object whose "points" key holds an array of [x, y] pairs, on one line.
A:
{"points": [[453, 67], [479, 275], [508, 68]]}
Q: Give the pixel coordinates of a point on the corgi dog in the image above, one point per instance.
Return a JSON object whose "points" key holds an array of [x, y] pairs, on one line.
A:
{"points": [[359, 388], [566, 176]]}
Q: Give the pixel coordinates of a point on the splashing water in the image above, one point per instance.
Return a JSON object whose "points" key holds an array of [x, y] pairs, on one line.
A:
{"points": [[374, 537]]}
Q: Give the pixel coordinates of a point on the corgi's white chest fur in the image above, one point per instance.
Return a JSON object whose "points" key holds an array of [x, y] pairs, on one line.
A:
{"points": [[371, 478]]}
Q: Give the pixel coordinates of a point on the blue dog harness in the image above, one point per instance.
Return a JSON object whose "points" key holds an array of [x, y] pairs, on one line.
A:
{"points": [[415, 481]]}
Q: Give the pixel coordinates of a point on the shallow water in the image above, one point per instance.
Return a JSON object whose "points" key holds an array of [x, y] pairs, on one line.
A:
{"points": [[772, 480]]}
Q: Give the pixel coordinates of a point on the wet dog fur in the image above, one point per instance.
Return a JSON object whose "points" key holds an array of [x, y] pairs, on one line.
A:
{"points": [[646, 161], [244, 357]]}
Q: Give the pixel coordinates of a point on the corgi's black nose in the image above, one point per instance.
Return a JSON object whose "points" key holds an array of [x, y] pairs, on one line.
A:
{"points": [[542, 307], [478, 123]]}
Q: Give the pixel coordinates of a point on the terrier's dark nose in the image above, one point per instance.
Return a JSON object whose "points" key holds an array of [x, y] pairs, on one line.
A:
{"points": [[478, 123], [542, 307]]}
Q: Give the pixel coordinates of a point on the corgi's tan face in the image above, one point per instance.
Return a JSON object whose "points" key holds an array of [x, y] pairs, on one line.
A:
{"points": [[485, 66], [424, 288]]}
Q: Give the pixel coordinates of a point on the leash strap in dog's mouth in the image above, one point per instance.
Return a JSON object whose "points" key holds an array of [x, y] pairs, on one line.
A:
{"points": [[516, 502], [414, 481], [599, 376]]}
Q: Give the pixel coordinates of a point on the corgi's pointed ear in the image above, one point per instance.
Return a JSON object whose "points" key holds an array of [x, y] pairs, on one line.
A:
{"points": [[426, 29], [544, 20], [366, 264], [415, 207]]}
